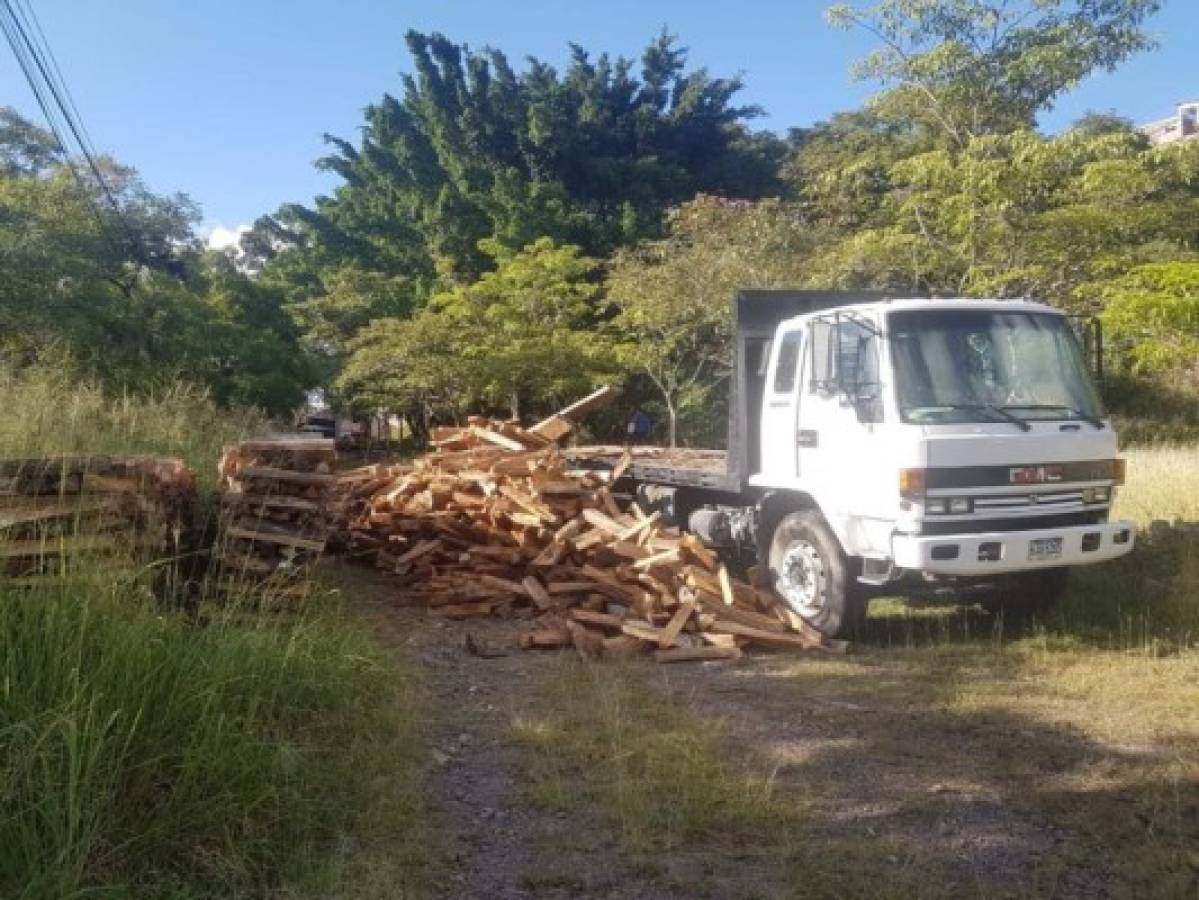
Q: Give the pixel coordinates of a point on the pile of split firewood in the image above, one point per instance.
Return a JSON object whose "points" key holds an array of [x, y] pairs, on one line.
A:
{"points": [[59, 510], [495, 522], [275, 500]]}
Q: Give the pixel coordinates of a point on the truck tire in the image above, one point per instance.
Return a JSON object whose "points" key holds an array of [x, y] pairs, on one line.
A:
{"points": [[1029, 594], [813, 576]]}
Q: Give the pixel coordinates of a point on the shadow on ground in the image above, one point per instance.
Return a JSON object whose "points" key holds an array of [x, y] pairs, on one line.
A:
{"points": [[936, 760]]}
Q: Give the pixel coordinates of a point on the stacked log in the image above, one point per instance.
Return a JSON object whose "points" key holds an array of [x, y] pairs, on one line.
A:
{"points": [[496, 522], [56, 510], [275, 502]]}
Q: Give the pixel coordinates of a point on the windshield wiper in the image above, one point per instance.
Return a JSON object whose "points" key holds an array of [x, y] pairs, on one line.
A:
{"points": [[1077, 413], [992, 409]]}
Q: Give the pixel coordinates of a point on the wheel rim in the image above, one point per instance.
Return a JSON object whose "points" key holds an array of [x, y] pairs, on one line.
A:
{"points": [[801, 578]]}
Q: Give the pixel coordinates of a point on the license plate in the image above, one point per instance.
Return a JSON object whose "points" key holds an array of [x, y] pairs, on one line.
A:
{"points": [[1045, 548]]}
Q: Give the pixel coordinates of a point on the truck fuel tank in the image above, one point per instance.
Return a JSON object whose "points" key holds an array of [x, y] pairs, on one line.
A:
{"points": [[723, 526]]}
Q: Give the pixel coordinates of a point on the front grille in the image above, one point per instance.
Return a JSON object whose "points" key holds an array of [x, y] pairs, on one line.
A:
{"points": [[1040, 500], [1016, 523]]}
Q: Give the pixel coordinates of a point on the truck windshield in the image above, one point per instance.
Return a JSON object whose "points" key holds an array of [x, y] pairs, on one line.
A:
{"points": [[989, 366]]}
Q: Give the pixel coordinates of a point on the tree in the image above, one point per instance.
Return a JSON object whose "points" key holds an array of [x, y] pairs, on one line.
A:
{"points": [[1023, 215], [1152, 317], [522, 336], [968, 68], [128, 292], [25, 149], [476, 151], [674, 295]]}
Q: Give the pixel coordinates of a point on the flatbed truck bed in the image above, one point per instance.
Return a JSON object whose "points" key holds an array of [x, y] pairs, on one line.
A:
{"points": [[677, 466]]}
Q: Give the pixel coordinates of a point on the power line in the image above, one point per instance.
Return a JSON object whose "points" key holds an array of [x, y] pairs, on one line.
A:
{"points": [[41, 70], [31, 16]]}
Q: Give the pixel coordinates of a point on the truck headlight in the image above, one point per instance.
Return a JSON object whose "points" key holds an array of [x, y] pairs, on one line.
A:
{"points": [[1096, 495], [938, 506]]}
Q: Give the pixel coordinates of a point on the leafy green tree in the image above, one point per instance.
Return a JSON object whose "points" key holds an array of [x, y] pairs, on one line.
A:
{"points": [[968, 68], [25, 149], [674, 295], [128, 293], [1023, 215], [1152, 317], [475, 151], [522, 336], [841, 170], [410, 367], [248, 348]]}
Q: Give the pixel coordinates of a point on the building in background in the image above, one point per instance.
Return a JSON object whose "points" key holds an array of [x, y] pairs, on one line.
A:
{"points": [[1182, 126]]}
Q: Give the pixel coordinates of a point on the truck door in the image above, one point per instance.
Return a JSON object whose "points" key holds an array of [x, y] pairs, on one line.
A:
{"points": [[780, 407]]}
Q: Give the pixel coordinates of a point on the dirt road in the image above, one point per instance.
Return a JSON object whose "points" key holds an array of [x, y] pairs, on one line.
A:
{"points": [[904, 792]]}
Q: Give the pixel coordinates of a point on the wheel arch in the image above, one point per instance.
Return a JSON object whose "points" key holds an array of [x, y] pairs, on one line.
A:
{"points": [[773, 506]]}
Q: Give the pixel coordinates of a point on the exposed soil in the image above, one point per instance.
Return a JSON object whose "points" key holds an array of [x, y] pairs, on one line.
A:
{"points": [[499, 843], [930, 789]]}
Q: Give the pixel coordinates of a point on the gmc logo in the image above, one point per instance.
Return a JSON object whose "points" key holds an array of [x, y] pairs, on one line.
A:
{"points": [[1034, 474]]}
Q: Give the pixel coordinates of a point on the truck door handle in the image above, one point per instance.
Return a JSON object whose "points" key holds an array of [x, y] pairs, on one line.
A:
{"points": [[806, 438]]}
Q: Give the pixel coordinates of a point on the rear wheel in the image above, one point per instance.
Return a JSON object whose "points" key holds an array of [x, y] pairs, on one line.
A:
{"points": [[813, 576], [1030, 593]]}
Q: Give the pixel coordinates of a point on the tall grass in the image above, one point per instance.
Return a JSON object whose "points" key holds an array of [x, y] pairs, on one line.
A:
{"points": [[47, 410], [1162, 485], [1150, 598], [143, 756], [147, 751]]}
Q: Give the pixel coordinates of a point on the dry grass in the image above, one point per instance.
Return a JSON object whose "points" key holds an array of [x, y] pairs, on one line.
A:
{"points": [[687, 792], [1098, 749], [1163, 483], [655, 773]]}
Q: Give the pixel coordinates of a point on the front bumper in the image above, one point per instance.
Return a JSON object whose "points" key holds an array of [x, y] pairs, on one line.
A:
{"points": [[932, 553]]}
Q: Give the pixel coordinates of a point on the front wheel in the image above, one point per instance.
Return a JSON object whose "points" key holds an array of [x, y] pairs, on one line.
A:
{"points": [[813, 576]]}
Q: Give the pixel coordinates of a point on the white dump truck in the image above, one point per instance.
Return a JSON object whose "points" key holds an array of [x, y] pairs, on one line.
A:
{"points": [[887, 446]]}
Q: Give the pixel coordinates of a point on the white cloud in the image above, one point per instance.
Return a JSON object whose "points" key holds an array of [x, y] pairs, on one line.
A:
{"points": [[222, 238]]}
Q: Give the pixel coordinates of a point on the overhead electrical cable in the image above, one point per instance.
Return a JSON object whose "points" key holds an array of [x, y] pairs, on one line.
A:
{"points": [[25, 36], [31, 16]]}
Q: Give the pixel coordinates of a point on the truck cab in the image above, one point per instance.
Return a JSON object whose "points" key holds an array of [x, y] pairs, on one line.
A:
{"points": [[916, 443]]}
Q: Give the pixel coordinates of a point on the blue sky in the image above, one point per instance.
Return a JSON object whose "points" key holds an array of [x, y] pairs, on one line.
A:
{"points": [[226, 100]]}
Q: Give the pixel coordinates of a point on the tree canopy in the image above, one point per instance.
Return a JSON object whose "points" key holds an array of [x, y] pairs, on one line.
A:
{"points": [[967, 68], [129, 292], [502, 237]]}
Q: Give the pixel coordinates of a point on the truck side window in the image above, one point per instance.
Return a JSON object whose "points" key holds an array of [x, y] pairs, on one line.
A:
{"points": [[788, 363]]}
